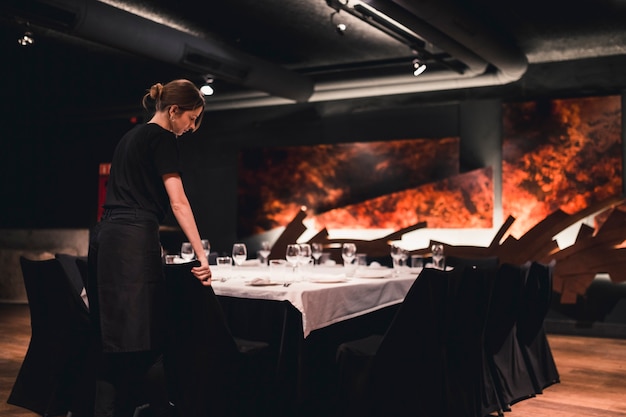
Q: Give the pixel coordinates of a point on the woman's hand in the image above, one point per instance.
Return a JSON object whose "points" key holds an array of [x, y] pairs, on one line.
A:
{"points": [[203, 273]]}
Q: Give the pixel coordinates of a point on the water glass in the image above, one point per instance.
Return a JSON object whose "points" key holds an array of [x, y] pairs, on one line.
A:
{"points": [[186, 251], [417, 261], [224, 266], [277, 269]]}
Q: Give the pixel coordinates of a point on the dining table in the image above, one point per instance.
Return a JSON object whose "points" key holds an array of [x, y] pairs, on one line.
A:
{"points": [[304, 314]]}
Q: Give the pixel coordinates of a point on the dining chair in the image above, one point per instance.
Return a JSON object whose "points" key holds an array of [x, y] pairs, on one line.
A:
{"points": [[506, 367], [467, 306], [531, 334], [401, 372], [209, 371], [53, 378], [78, 277]]}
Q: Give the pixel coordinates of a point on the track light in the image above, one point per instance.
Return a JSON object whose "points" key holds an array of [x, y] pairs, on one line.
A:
{"points": [[339, 27], [418, 67], [27, 39], [207, 88]]}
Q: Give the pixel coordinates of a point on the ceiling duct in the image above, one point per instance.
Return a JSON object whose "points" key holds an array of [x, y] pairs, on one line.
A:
{"points": [[488, 57], [108, 25]]}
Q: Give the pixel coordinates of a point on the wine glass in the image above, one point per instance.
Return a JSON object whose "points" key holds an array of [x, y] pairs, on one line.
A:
{"points": [[396, 252], [305, 255], [438, 258], [264, 252], [240, 253], [348, 253], [316, 251], [404, 256], [291, 255], [186, 251], [206, 245]]}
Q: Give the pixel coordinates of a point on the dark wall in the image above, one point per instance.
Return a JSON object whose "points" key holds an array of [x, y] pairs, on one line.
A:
{"points": [[60, 119]]}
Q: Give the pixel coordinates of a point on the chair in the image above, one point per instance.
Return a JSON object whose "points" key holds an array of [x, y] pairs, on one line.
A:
{"points": [[467, 304], [403, 372], [53, 378], [506, 366], [530, 331], [209, 371], [78, 277]]}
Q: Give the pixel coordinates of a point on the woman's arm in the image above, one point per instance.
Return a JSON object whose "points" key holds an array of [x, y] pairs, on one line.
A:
{"points": [[184, 215]]}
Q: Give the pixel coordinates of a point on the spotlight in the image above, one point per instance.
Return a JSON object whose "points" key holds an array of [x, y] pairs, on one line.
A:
{"points": [[340, 28], [418, 67], [207, 88], [27, 39]]}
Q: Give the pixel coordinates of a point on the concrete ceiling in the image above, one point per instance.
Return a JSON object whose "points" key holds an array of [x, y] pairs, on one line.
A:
{"points": [[278, 52]]}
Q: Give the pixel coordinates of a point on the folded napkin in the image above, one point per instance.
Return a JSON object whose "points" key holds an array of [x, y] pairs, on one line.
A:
{"points": [[260, 281]]}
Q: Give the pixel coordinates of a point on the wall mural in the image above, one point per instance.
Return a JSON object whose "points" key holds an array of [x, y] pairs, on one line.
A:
{"points": [[363, 185], [559, 154], [562, 163]]}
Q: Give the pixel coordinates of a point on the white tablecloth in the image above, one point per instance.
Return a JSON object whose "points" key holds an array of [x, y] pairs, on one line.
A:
{"points": [[321, 304]]}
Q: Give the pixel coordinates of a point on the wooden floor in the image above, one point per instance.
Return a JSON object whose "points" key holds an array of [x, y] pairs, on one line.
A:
{"points": [[593, 373]]}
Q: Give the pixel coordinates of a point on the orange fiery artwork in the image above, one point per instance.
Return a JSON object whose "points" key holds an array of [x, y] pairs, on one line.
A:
{"points": [[460, 201], [385, 184], [559, 154]]}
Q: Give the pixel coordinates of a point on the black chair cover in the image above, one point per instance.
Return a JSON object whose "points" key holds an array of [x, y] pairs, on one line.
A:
{"points": [[71, 266], [467, 304], [530, 330], [55, 375], [402, 372], [210, 373], [504, 357]]}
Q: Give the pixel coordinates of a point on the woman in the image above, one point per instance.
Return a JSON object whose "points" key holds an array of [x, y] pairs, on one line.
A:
{"points": [[127, 286]]}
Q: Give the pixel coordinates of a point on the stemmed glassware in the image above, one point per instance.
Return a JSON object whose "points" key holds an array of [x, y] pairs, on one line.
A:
{"points": [[264, 252], [291, 255], [348, 253], [305, 255], [438, 257], [240, 253], [316, 251], [397, 253], [206, 245], [186, 251]]}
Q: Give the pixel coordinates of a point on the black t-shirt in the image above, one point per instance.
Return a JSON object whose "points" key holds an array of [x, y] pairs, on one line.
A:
{"points": [[141, 158]]}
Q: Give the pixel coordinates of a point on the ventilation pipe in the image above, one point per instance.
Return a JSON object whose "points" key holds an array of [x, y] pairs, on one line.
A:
{"points": [[108, 25], [492, 58]]}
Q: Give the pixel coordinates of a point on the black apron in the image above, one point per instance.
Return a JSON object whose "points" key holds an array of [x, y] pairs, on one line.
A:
{"points": [[126, 281]]}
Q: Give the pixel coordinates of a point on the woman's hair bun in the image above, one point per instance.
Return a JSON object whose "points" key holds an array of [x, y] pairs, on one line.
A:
{"points": [[155, 91]]}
